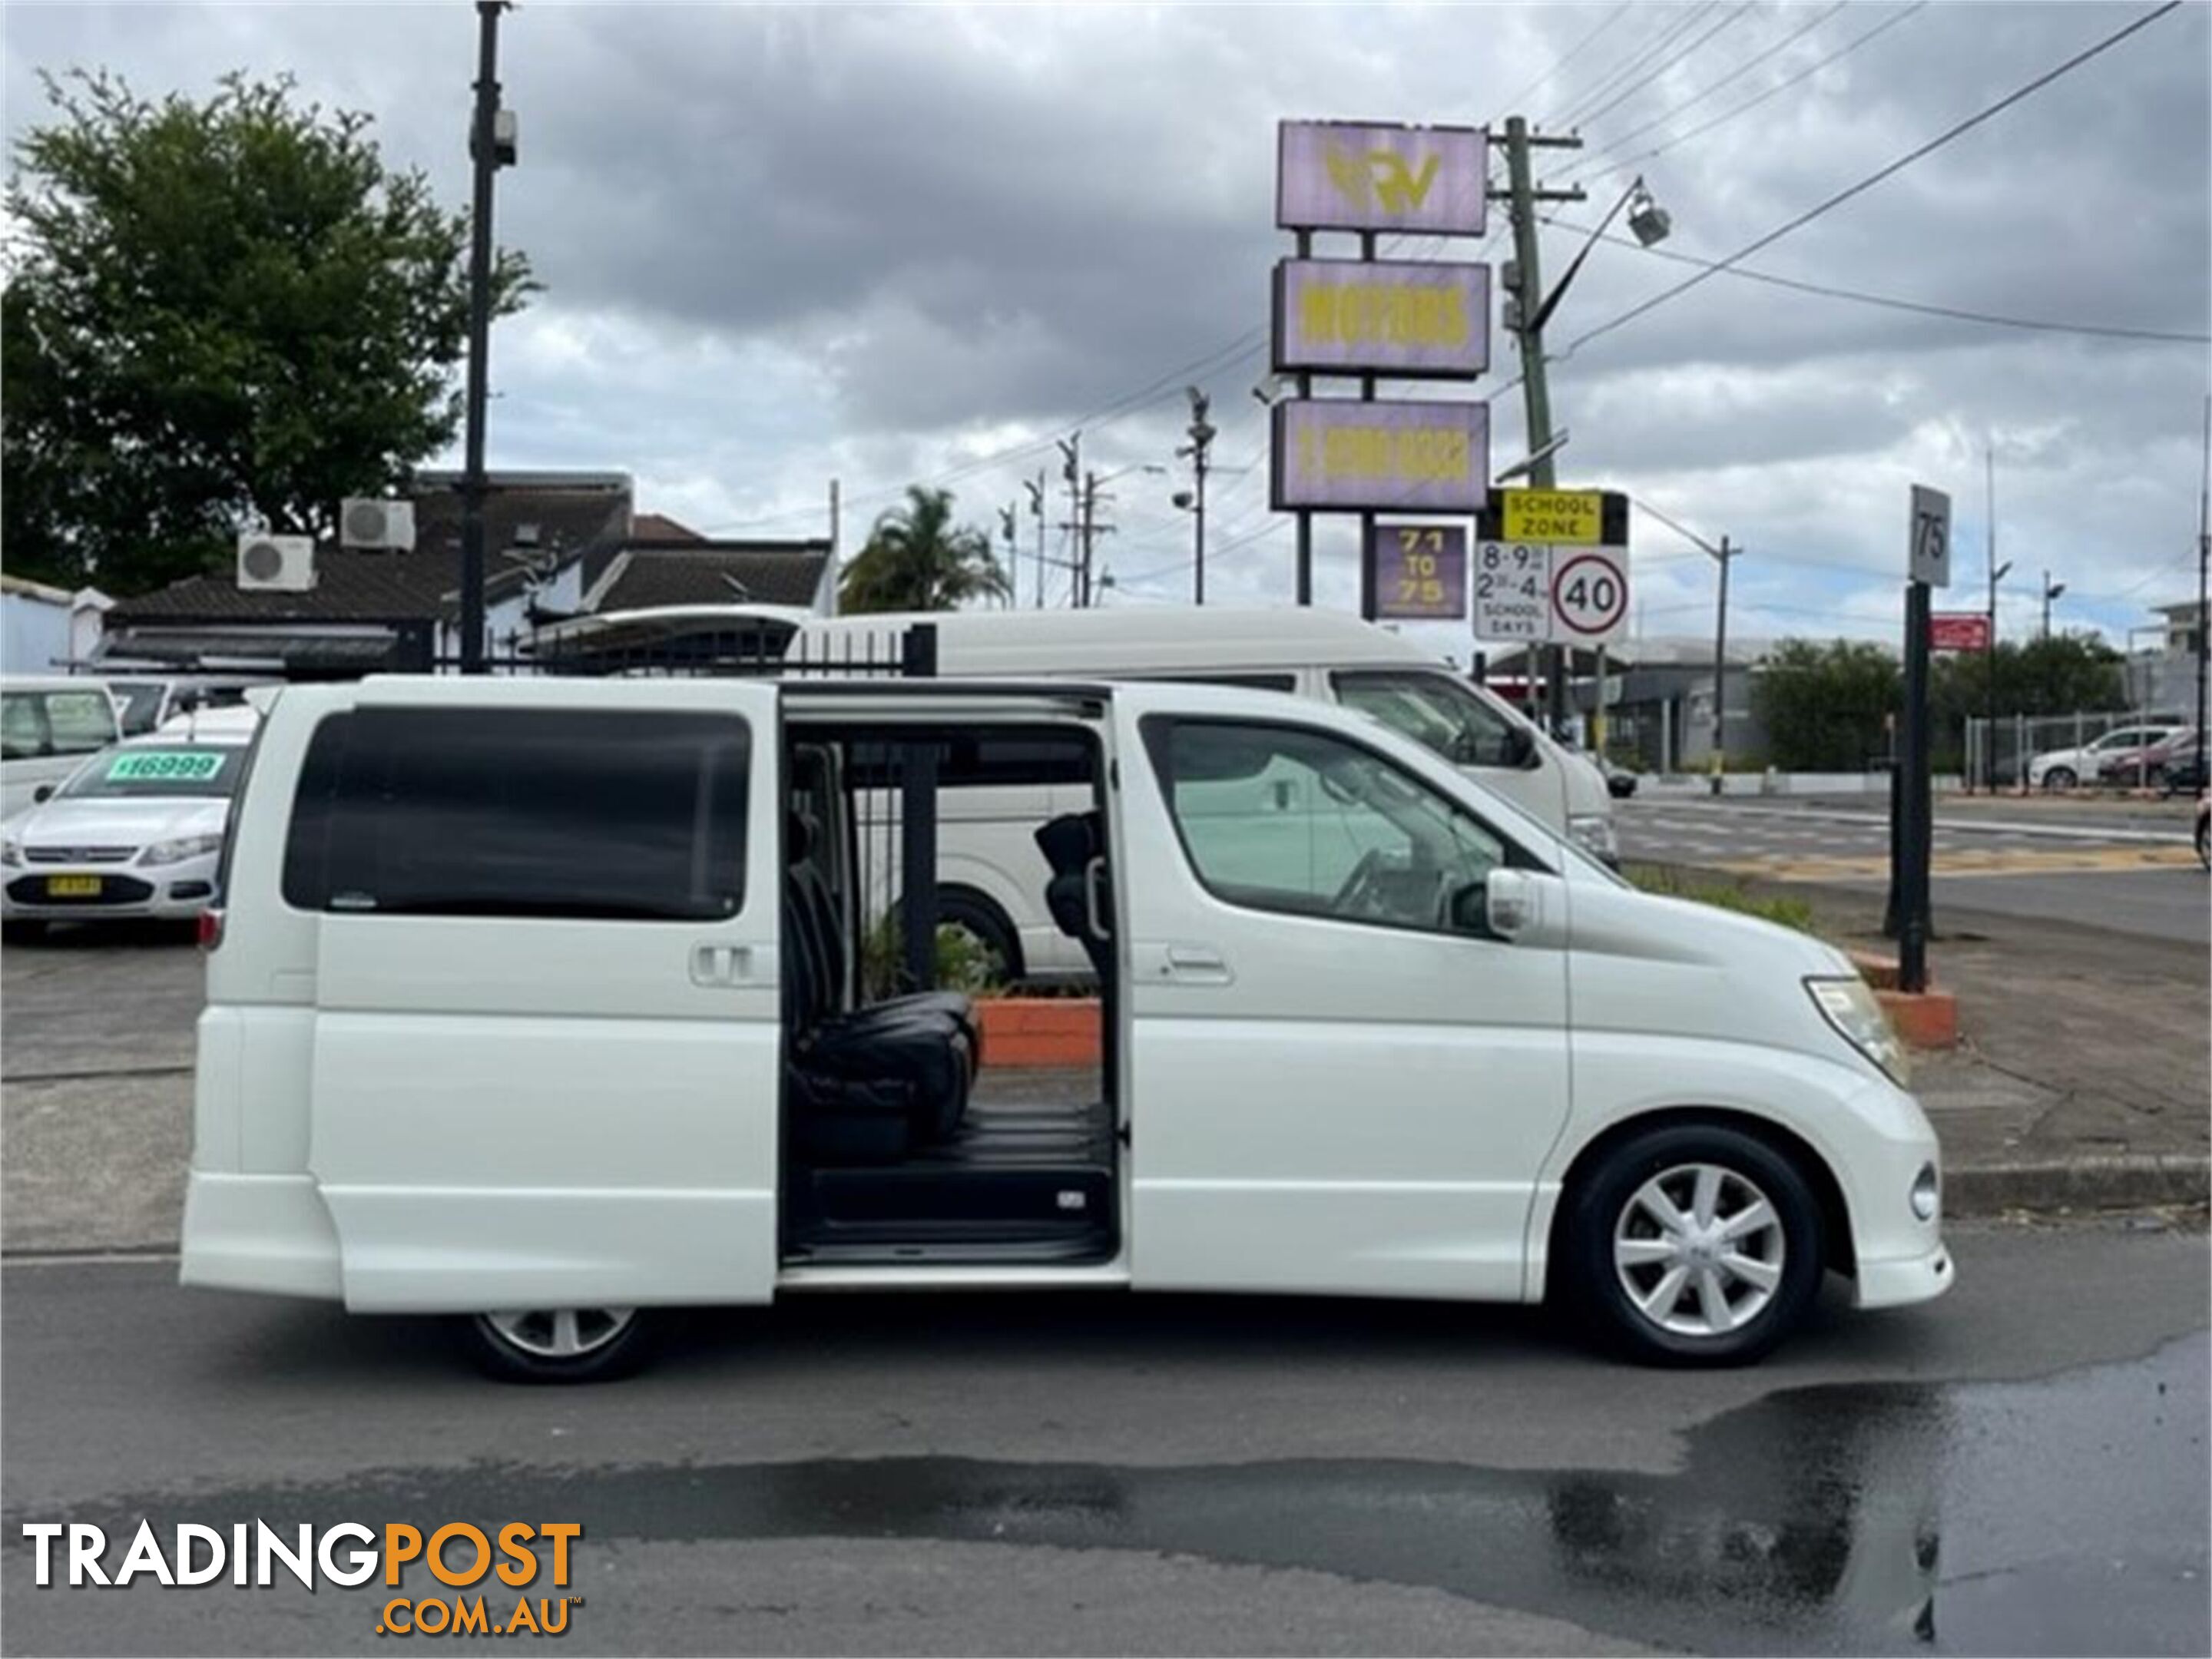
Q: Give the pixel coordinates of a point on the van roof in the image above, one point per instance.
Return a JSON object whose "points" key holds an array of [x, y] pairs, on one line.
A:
{"points": [[1054, 641], [49, 683]]}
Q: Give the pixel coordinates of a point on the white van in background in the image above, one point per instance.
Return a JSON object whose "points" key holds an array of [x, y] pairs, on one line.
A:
{"points": [[48, 724], [990, 873]]}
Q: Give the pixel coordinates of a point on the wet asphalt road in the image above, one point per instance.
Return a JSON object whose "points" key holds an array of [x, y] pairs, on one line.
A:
{"points": [[2020, 1469]]}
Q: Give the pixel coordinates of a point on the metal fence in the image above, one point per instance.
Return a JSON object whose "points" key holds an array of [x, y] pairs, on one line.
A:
{"points": [[2001, 754]]}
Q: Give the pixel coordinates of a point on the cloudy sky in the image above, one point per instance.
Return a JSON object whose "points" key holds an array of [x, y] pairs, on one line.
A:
{"points": [[785, 244]]}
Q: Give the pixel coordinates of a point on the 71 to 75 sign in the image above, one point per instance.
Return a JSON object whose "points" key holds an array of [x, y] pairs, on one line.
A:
{"points": [[1555, 594]]}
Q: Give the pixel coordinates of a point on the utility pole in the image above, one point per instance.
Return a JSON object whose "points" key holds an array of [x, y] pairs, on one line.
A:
{"points": [[2204, 558], [1008, 517], [486, 153], [1723, 554], [836, 540], [1070, 469], [1035, 488], [1201, 441], [1527, 326], [1990, 651], [2051, 590]]}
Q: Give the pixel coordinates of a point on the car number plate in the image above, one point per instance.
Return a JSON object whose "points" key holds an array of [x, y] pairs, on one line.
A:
{"points": [[72, 886]]}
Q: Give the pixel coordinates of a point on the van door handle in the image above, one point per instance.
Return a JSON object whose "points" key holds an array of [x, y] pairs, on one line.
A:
{"points": [[728, 965], [1197, 964], [1093, 913]]}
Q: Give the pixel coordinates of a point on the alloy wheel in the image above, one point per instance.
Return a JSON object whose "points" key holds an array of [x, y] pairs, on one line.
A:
{"points": [[1700, 1250], [559, 1333]]}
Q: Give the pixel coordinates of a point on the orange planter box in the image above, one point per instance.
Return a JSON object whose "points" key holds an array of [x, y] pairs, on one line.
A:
{"points": [[1039, 1030]]}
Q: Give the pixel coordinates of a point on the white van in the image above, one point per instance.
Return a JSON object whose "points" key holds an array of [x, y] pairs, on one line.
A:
{"points": [[537, 1002], [988, 872], [48, 724]]}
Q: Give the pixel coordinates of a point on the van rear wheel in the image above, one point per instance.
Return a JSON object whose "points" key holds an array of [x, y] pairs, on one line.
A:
{"points": [[559, 1345], [1693, 1245]]}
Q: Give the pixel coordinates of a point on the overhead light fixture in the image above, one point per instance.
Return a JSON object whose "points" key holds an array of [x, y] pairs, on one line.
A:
{"points": [[1651, 223]]}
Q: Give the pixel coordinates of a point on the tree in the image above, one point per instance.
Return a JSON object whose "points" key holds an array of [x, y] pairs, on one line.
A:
{"points": [[1824, 704], [2054, 676], [917, 559], [219, 316]]}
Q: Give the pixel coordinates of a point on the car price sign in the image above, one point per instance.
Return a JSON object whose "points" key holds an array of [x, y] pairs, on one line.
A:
{"points": [[1512, 588], [1589, 594]]}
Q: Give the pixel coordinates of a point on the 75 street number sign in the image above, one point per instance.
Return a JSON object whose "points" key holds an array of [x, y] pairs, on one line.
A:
{"points": [[1554, 595]]}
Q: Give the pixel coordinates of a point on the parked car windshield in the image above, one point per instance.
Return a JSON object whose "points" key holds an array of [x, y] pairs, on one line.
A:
{"points": [[163, 769]]}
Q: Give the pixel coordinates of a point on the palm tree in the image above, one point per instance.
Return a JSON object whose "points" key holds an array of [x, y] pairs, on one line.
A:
{"points": [[917, 559]]}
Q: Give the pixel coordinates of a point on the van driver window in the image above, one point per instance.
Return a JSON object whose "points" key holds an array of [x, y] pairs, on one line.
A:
{"points": [[1435, 711], [1287, 818]]}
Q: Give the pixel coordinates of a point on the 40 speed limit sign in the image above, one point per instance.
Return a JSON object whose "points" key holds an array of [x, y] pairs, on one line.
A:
{"points": [[1589, 594], [1550, 593]]}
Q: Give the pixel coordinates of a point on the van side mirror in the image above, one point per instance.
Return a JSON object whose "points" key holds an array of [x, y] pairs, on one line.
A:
{"points": [[1501, 906], [43, 793], [1520, 746]]}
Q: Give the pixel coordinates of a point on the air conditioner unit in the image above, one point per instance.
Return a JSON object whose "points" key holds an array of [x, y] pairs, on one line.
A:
{"points": [[276, 563], [364, 522]]}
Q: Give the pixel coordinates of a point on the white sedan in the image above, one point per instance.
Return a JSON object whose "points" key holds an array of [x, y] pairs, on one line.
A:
{"points": [[137, 831], [2062, 769]]}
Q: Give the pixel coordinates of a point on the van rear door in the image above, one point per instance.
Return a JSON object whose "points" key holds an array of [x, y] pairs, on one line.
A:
{"points": [[545, 1056]]}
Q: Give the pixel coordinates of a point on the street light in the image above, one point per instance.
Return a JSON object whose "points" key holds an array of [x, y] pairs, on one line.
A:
{"points": [[2051, 590], [1650, 222]]}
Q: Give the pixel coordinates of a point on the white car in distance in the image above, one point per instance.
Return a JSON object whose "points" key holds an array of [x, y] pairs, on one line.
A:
{"points": [[2063, 769], [136, 831]]}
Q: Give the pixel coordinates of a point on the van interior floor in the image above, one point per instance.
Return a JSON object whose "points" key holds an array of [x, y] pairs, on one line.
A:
{"points": [[1028, 1177]]}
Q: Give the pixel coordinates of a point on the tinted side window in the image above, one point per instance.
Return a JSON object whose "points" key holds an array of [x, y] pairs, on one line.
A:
{"points": [[538, 812]]}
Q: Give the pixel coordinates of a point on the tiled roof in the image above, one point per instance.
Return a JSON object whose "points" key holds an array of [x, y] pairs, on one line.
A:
{"points": [[557, 522], [659, 527], [714, 572]]}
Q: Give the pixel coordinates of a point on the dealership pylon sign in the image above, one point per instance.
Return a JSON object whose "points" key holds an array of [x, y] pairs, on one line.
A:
{"points": [[1377, 319]]}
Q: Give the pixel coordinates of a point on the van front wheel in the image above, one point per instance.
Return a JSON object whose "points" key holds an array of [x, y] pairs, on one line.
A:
{"points": [[558, 1345], [1693, 1245]]}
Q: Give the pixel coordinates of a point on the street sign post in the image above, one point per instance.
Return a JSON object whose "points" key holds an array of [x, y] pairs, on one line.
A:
{"points": [[1927, 563], [1420, 572]]}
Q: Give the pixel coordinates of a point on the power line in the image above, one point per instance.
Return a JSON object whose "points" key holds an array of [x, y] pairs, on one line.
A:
{"points": [[1699, 96], [1892, 302], [1571, 53], [1753, 102], [1622, 97], [1873, 178], [1686, 18]]}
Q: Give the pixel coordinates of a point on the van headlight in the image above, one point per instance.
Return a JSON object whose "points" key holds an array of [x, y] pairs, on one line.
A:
{"points": [[185, 847], [10, 853], [1593, 833], [1850, 1007]]}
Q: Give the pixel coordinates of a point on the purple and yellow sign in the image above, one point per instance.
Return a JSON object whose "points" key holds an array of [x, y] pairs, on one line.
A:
{"points": [[1335, 455], [1408, 320], [1350, 175], [1420, 572]]}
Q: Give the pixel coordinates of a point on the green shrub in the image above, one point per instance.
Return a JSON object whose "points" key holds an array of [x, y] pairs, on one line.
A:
{"points": [[1726, 896]]}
